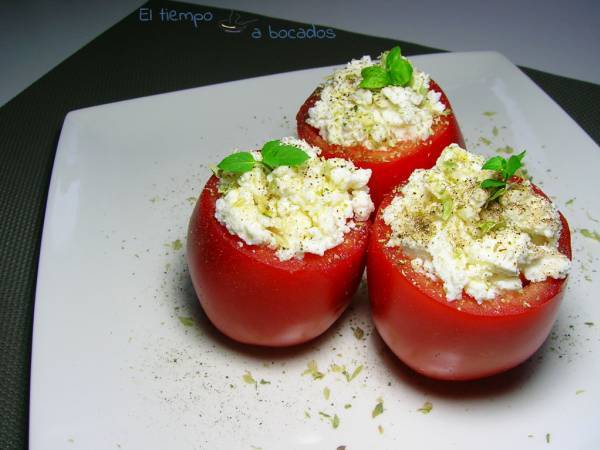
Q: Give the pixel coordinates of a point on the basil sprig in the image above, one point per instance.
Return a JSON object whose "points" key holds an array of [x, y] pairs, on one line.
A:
{"points": [[397, 72], [506, 169], [274, 154]]}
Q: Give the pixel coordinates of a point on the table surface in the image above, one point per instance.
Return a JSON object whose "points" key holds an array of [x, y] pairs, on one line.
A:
{"points": [[136, 58], [36, 35]]}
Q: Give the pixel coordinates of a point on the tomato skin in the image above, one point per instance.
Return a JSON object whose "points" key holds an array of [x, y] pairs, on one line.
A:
{"points": [[253, 297], [393, 166], [458, 340]]}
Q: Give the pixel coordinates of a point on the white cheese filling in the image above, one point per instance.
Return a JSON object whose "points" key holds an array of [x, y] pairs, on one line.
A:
{"points": [[457, 247], [295, 210], [348, 115]]}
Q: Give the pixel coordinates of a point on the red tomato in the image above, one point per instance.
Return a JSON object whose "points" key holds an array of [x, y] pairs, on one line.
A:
{"points": [[253, 297], [390, 166], [457, 340]]}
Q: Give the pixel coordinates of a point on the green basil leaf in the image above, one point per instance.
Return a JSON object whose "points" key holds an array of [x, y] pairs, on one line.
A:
{"points": [[393, 57], [401, 72], [491, 183], [237, 163], [496, 163], [374, 77], [514, 163], [276, 153]]}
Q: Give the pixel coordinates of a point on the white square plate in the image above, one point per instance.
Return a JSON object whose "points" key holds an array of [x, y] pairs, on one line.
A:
{"points": [[124, 357]]}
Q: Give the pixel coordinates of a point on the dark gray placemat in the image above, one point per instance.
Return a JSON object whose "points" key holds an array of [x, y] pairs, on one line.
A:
{"points": [[137, 58]]}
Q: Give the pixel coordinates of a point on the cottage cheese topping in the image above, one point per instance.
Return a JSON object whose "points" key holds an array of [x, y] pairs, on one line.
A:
{"points": [[461, 247], [348, 115], [295, 210]]}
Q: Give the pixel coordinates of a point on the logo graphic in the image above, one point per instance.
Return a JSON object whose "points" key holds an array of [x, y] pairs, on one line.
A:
{"points": [[234, 23]]}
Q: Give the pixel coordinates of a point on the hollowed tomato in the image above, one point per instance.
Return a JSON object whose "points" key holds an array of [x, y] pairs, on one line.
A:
{"points": [[462, 339], [390, 166], [253, 297]]}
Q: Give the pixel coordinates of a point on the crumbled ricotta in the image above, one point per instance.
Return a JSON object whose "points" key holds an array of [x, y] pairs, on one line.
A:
{"points": [[456, 248], [295, 210], [348, 115]]}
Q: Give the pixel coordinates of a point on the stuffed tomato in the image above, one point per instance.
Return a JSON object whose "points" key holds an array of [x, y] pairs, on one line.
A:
{"points": [[277, 243], [382, 115], [466, 274]]}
